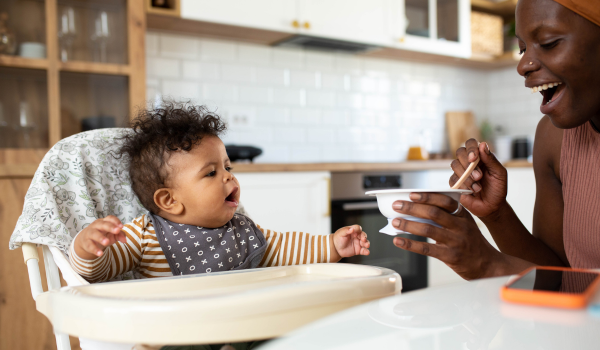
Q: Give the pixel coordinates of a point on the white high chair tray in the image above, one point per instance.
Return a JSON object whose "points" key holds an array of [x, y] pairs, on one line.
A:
{"points": [[214, 308]]}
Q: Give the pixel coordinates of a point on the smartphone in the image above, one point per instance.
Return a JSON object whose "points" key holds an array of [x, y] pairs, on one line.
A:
{"points": [[552, 286]]}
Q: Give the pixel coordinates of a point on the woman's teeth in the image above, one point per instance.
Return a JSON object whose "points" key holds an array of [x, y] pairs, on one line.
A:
{"points": [[544, 87]]}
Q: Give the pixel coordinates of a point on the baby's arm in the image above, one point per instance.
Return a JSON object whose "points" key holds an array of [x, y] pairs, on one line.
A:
{"points": [[106, 249], [295, 248]]}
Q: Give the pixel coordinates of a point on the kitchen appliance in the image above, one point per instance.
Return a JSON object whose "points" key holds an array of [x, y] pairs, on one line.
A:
{"points": [[350, 205], [236, 153]]}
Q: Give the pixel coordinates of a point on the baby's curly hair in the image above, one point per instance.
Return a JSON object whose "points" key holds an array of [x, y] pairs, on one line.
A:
{"points": [[157, 132]]}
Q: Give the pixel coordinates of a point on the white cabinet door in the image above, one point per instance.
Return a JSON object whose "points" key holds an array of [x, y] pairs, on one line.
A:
{"points": [[290, 201], [440, 27], [265, 14], [366, 21]]}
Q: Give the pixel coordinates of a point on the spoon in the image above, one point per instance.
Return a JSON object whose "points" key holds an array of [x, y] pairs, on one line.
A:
{"points": [[465, 175]]}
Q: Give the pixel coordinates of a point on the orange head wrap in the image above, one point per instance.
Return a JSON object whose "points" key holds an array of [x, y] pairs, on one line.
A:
{"points": [[589, 9]]}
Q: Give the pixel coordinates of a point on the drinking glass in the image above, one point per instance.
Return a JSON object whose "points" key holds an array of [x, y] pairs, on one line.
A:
{"points": [[66, 32]]}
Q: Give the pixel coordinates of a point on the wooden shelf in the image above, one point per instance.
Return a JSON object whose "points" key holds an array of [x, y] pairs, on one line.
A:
{"points": [[505, 8], [174, 10], [23, 62], [95, 67]]}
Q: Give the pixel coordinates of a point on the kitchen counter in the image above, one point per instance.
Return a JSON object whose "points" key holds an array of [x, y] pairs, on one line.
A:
{"points": [[341, 167], [417, 165]]}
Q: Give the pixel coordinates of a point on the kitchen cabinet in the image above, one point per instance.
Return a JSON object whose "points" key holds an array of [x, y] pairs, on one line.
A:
{"points": [[278, 15], [433, 26], [351, 20], [288, 201]]}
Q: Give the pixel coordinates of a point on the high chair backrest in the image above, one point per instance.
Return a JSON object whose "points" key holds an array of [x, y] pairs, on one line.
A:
{"points": [[82, 178]]}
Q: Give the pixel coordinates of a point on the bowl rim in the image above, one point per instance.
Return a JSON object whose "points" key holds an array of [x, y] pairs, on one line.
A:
{"points": [[418, 190]]}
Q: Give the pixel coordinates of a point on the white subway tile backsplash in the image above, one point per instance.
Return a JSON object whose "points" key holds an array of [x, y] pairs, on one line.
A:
{"points": [[270, 76], [321, 136], [306, 154], [267, 116], [303, 79], [213, 50], [288, 58], [336, 117], [288, 135], [151, 43], [305, 116], [307, 106], [254, 94], [177, 46], [201, 71], [320, 98], [162, 68], [254, 54], [237, 73], [181, 90], [319, 60], [283, 96], [220, 92], [346, 63]]}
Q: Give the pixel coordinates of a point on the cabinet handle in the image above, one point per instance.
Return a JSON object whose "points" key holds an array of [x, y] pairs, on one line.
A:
{"points": [[328, 213], [307, 25], [296, 24]]}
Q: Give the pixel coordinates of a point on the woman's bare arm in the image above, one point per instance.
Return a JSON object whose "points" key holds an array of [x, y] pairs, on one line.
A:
{"points": [[544, 247]]}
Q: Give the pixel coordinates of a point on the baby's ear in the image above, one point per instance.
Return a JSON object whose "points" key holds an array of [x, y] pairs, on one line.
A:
{"points": [[165, 201]]}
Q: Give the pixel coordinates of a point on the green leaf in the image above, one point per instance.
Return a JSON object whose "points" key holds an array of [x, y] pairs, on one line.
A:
{"points": [[76, 174], [95, 192], [81, 217], [45, 201], [85, 196]]}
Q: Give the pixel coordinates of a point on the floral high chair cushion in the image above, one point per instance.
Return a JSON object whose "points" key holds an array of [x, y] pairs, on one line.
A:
{"points": [[82, 178]]}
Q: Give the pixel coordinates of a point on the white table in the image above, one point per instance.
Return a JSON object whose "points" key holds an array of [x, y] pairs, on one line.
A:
{"points": [[462, 316]]}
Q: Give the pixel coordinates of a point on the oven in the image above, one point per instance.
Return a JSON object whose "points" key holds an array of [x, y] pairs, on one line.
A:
{"points": [[350, 206]]}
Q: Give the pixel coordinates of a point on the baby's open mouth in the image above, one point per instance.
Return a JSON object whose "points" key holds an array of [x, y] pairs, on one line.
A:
{"points": [[550, 91], [231, 196]]}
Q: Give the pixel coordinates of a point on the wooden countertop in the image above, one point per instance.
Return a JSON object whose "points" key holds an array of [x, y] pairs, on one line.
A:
{"points": [[341, 167], [27, 170]]}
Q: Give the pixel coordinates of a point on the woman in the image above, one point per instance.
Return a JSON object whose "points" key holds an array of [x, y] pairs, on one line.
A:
{"points": [[560, 43]]}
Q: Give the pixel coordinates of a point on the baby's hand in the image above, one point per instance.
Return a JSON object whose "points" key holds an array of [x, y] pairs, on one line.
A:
{"points": [[349, 241], [93, 240]]}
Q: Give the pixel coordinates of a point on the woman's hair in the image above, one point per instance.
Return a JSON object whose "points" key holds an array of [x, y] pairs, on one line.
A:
{"points": [[157, 132]]}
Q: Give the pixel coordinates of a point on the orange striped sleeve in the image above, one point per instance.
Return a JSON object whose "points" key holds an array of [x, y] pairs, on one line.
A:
{"points": [[117, 259], [295, 248]]}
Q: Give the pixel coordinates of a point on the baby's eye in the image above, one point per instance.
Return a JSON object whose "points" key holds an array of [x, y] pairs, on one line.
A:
{"points": [[212, 173], [228, 168]]}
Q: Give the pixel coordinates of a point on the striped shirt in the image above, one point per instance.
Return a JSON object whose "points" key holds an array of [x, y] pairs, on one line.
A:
{"points": [[142, 253]]}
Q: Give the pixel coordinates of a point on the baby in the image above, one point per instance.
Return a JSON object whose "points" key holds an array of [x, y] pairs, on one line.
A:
{"points": [[180, 172]]}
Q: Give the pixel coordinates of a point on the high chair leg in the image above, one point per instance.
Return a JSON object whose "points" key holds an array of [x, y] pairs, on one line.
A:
{"points": [[62, 341]]}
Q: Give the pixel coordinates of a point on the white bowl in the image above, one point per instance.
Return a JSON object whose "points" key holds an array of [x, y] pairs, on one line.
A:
{"points": [[385, 199]]}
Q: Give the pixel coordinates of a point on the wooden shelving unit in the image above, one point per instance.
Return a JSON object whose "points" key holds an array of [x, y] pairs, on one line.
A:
{"points": [[58, 94], [133, 69]]}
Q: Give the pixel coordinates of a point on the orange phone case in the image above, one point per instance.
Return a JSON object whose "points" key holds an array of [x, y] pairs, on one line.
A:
{"points": [[544, 298]]}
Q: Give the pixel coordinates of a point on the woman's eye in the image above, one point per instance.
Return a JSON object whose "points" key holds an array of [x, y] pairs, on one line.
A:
{"points": [[549, 45], [522, 51]]}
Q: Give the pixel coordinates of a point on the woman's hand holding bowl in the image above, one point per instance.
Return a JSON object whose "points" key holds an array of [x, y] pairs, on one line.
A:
{"points": [[458, 242]]}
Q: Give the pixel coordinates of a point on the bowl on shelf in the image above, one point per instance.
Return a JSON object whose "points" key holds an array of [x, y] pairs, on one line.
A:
{"points": [[385, 199]]}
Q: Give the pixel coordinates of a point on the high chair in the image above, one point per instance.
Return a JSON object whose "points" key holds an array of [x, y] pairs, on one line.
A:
{"points": [[81, 179]]}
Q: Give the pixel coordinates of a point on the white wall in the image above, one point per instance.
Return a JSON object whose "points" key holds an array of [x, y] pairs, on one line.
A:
{"points": [[307, 106]]}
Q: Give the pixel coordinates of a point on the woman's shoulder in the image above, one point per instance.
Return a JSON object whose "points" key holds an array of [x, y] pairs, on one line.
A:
{"points": [[547, 147]]}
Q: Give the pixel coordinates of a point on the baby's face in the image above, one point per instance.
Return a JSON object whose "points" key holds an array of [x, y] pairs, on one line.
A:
{"points": [[202, 181]]}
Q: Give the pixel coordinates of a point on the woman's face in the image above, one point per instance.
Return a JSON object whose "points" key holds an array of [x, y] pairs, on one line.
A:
{"points": [[560, 47]]}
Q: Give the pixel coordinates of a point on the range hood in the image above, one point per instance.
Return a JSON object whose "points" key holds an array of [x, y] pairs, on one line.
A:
{"points": [[318, 43]]}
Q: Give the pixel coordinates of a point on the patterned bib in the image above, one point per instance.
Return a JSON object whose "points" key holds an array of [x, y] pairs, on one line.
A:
{"points": [[192, 249]]}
